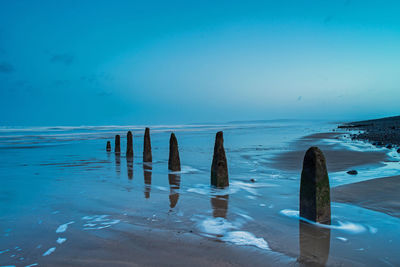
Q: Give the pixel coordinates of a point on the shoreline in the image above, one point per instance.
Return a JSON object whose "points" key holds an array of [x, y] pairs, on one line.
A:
{"points": [[384, 132], [376, 193], [338, 160], [379, 194], [240, 226]]}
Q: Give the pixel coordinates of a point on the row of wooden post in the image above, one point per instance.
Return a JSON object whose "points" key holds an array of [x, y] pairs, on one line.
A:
{"points": [[315, 204]]}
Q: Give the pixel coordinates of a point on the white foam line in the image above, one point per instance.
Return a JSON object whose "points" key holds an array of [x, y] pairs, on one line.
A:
{"points": [[63, 227], [61, 240], [162, 188], [185, 170], [96, 228], [6, 250], [110, 222], [354, 228], [243, 238], [49, 251]]}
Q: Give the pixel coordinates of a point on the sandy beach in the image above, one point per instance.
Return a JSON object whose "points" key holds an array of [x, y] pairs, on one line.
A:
{"points": [[337, 159], [380, 194], [89, 207], [199, 133]]}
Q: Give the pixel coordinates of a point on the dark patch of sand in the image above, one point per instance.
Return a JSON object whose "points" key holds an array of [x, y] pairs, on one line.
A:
{"points": [[337, 159], [381, 194], [153, 247]]}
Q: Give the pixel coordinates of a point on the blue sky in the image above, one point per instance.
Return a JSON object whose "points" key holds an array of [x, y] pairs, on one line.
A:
{"points": [[150, 62]]}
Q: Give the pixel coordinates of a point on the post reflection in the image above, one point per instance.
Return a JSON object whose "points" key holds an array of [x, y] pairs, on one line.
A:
{"points": [[174, 185], [118, 163], [314, 244], [129, 166], [220, 205], [147, 179]]}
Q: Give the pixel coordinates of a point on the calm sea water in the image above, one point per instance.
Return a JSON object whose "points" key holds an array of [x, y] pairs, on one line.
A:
{"points": [[57, 180]]}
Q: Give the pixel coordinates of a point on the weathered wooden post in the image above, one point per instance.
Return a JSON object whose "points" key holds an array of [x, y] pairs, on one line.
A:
{"points": [[219, 167], [174, 162], [147, 146], [108, 147], [129, 145], [315, 201], [117, 148]]}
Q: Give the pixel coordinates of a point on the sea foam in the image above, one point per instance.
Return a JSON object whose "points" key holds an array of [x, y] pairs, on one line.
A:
{"points": [[242, 238], [63, 227], [49, 251], [354, 228]]}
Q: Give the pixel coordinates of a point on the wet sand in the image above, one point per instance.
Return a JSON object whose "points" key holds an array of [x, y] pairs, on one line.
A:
{"points": [[154, 247], [380, 194], [120, 213], [337, 159]]}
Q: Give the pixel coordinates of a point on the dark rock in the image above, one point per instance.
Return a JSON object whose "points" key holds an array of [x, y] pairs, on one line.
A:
{"points": [[353, 172], [147, 147], [389, 146], [315, 202], [108, 147], [219, 167], [252, 180], [398, 150], [117, 144], [129, 145], [174, 162]]}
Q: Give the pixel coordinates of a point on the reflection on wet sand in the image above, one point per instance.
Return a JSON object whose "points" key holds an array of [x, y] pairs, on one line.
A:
{"points": [[220, 206], [129, 166], [118, 163], [174, 185], [314, 244], [147, 180]]}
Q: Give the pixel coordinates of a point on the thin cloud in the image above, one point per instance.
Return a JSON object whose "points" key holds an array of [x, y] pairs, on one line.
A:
{"points": [[97, 78], [66, 59], [6, 67], [328, 19], [104, 93], [58, 83]]}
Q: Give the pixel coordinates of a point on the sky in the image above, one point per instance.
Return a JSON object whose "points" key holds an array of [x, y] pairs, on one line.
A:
{"points": [[97, 62]]}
